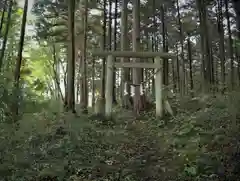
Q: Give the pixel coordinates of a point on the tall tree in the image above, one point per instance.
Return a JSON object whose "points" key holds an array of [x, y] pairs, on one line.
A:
{"points": [[124, 46], [189, 47], [182, 64], [85, 81], [5, 37], [230, 43], [205, 49], [221, 39], [3, 15], [136, 74], [103, 47], [236, 5], [15, 105], [114, 49], [71, 58], [165, 44]]}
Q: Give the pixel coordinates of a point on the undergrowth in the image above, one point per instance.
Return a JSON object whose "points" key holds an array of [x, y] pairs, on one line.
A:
{"points": [[200, 143]]}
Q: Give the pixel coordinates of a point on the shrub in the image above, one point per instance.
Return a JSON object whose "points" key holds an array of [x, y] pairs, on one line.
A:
{"points": [[196, 145]]}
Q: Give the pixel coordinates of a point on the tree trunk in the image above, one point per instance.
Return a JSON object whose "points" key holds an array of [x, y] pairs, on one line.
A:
{"points": [[115, 48], [236, 5], [190, 64], [230, 41], [165, 46], [5, 37], [101, 102], [84, 105], [154, 48], [15, 105], [136, 47], [124, 46], [93, 84], [71, 59], [154, 39], [206, 60], [182, 64], [178, 69], [2, 17], [56, 75], [221, 42]]}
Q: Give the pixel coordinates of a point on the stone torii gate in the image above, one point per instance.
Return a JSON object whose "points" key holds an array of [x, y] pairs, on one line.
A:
{"points": [[157, 65]]}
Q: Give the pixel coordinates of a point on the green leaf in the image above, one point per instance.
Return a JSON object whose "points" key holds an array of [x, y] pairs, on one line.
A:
{"points": [[191, 170], [19, 11], [186, 129]]}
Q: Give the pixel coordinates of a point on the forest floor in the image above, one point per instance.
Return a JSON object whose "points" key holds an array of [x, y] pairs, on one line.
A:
{"points": [[200, 143]]}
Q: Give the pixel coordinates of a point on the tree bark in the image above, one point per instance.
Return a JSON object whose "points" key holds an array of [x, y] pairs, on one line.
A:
{"points": [[15, 105]]}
